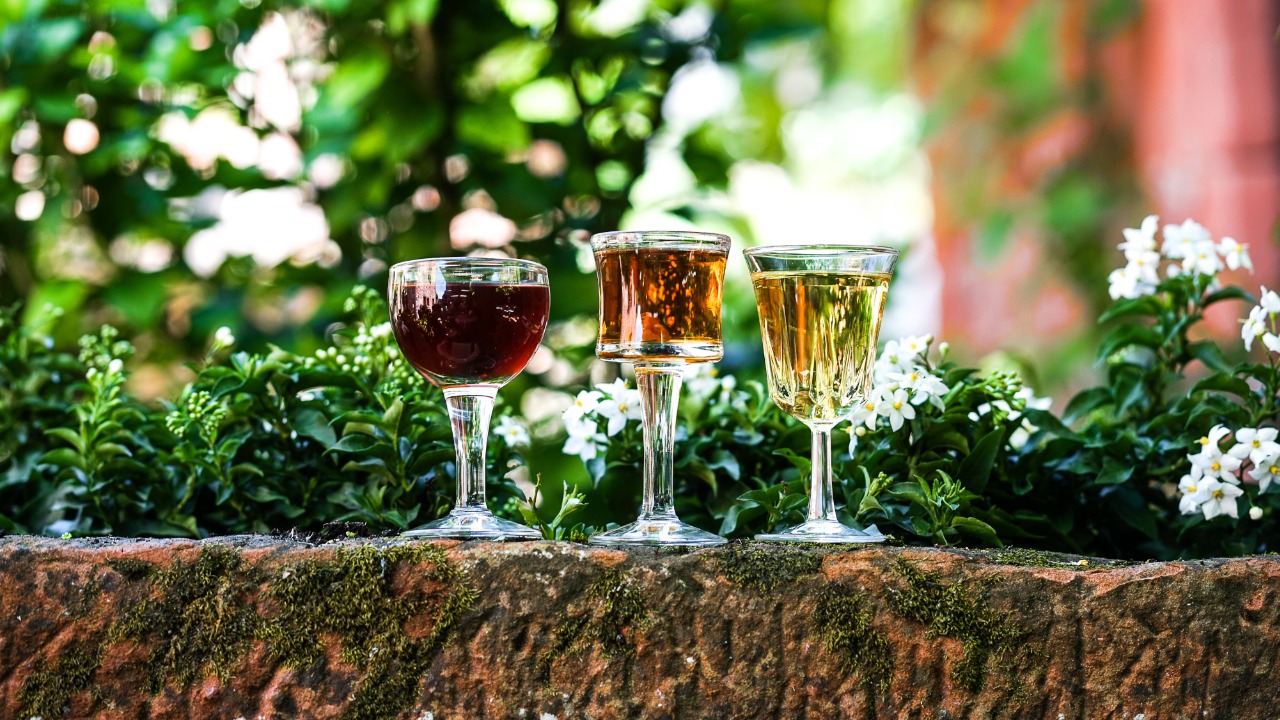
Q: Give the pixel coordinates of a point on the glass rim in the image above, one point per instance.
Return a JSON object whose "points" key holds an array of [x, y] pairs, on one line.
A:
{"points": [[820, 249], [476, 262], [616, 238]]}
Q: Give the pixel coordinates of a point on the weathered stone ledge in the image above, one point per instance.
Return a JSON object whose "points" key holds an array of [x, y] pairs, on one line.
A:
{"points": [[255, 627]]}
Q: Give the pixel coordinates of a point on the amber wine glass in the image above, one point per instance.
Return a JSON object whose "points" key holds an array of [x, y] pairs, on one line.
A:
{"points": [[820, 308], [660, 310], [469, 325]]}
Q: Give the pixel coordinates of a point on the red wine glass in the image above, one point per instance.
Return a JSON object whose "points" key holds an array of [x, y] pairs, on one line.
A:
{"points": [[469, 325]]}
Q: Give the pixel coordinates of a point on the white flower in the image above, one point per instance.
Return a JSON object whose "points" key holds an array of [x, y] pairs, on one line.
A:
{"points": [[380, 331], [1255, 444], [1217, 498], [922, 385], [1235, 254], [1216, 433], [618, 409], [115, 366], [1270, 301], [1266, 472], [915, 345], [583, 440], [1127, 282], [1215, 465], [614, 388], [893, 359], [512, 431], [897, 407], [857, 432], [1142, 239], [868, 413], [1254, 327], [1144, 265], [1202, 259], [584, 403], [1189, 485], [223, 337], [1255, 513], [1182, 240], [1272, 341]]}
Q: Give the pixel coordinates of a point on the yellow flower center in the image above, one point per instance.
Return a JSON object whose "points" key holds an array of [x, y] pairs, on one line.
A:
{"points": [[914, 377], [1191, 488], [870, 406], [1204, 441], [1257, 444], [897, 404], [1217, 467], [622, 407], [1273, 470], [1217, 494]]}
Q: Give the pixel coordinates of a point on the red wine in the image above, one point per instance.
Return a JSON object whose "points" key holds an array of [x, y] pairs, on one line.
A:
{"points": [[472, 332]]}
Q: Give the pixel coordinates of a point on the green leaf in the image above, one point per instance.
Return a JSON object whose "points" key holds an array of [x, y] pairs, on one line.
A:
{"points": [[1114, 472], [978, 530], [1125, 336], [69, 436], [1208, 352], [63, 457], [310, 422], [1146, 305], [1230, 292], [354, 443], [725, 460], [1086, 402], [1221, 383], [976, 468]]}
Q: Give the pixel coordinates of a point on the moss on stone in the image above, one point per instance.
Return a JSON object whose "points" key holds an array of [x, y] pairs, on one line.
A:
{"points": [[844, 624], [949, 610], [1025, 557], [350, 596], [48, 689], [765, 566], [131, 568], [615, 609], [198, 618], [87, 599]]}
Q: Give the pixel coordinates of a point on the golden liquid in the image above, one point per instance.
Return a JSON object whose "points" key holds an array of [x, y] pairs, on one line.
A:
{"points": [[820, 329], [660, 304]]}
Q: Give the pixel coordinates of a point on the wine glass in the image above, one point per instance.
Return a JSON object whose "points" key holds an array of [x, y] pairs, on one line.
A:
{"points": [[659, 309], [820, 308], [469, 325]]}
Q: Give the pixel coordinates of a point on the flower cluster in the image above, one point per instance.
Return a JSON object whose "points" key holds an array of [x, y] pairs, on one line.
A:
{"points": [[1023, 399], [1189, 243], [611, 405], [1262, 322], [903, 380], [198, 410], [1213, 484]]}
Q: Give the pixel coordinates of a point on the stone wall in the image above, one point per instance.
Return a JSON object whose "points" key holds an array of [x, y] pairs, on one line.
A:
{"points": [[263, 628]]}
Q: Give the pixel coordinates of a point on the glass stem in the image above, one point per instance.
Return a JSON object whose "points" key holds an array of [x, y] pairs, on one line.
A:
{"points": [[659, 387], [469, 411], [821, 504]]}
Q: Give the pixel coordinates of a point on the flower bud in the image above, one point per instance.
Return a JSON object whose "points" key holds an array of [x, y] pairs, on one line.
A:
{"points": [[1255, 513]]}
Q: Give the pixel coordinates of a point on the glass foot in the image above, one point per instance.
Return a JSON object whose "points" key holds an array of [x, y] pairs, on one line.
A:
{"points": [[473, 524], [825, 531], [660, 532]]}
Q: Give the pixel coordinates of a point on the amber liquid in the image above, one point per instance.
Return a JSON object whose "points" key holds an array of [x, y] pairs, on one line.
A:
{"points": [[660, 304], [820, 330], [469, 333]]}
